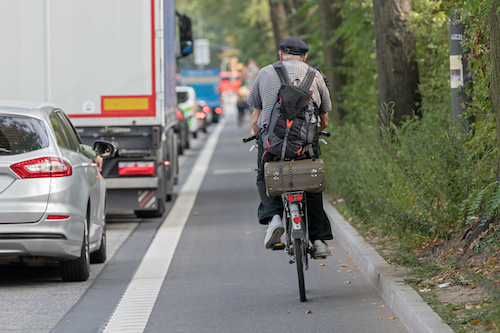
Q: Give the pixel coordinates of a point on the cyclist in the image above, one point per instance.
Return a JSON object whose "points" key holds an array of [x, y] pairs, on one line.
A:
{"points": [[263, 95]]}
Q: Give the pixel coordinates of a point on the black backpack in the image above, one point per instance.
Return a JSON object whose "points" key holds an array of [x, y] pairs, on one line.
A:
{"points": [[292, 128]]}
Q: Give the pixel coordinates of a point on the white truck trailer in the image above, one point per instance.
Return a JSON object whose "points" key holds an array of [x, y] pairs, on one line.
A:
{"points": [[110, 65]]}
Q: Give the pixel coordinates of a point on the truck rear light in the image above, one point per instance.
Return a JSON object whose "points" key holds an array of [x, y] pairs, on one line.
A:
{"points": [[205, 109], [139, 168], [42, 167], [200, 115], [218, 110]]}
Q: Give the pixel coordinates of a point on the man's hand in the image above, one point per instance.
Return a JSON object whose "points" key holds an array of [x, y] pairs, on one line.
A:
{"points": [[98, 160], [323, 121]]}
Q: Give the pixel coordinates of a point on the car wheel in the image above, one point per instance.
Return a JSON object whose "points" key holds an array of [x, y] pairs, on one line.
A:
{"points": [[180, 146], [78, 269], [187, 146], [99, 256]]}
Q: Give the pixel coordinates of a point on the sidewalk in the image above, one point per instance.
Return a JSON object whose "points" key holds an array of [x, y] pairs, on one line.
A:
{"points": [[411, 309]]}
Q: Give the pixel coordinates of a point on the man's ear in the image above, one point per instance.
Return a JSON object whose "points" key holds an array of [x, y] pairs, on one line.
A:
{"points": [[305, 57]]}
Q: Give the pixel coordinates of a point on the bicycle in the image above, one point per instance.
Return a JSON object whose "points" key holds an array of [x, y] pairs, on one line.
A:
{"points": [[297, 243]]}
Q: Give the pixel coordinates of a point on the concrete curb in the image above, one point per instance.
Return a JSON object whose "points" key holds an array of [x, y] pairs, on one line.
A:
{"points": [[409, 307]]}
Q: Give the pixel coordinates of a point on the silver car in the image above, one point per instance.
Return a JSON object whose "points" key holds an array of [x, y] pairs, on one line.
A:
{"points": [[52, 197]]}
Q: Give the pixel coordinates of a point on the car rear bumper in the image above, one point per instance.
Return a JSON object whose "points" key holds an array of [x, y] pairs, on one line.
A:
{"points": [[60, 240]]}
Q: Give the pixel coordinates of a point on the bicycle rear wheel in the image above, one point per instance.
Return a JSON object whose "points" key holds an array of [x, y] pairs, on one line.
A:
{"points": [[298, 249]]}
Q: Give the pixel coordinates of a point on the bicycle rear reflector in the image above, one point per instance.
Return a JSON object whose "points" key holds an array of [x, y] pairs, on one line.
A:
{"points": [[296, 197], [297, 219]]}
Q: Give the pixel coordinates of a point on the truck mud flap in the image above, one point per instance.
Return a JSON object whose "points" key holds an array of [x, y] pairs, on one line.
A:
{"points": [[147, 199], [131, 199]]}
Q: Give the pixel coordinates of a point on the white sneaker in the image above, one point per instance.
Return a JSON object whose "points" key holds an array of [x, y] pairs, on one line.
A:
{"points": [[274, 231], [321, 249]]}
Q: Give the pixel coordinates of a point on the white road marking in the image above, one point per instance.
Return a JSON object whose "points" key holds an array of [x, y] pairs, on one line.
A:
{"points": [[133, 310], [232, 171]]}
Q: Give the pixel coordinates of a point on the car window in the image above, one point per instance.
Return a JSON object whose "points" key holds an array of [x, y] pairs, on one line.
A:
{"points": [[20, 135], [58, 131], [70, 132], [65, 134], [182, 96]]}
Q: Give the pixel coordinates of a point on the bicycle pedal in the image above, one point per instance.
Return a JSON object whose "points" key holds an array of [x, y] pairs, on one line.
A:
{"points": [[319, 257], [278, 246]]}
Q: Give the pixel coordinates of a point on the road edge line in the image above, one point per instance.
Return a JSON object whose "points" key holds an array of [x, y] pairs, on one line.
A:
{"points": [[133, 311]]}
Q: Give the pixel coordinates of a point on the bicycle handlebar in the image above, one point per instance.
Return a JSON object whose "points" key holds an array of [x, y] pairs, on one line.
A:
{"points": [[251, 138], [245, 140], [327, 134]]}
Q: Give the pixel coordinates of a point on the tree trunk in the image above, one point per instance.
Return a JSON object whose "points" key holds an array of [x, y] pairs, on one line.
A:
{"points": [[494, 93], [278, 18], [330, 19], [398, 76]]}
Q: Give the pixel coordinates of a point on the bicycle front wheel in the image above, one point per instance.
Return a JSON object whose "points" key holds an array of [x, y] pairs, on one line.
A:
{"points": [[299, 261]]}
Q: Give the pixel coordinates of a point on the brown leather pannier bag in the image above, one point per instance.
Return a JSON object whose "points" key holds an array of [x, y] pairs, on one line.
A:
{"points": [[298, 175]]}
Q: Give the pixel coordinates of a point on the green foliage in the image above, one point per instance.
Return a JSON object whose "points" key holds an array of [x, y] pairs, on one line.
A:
{"points": [[425, 179], [359, 97], [243, 26]]}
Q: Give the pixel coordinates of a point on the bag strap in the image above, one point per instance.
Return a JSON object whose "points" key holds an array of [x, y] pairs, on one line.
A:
{"points": [[282, 73], [285, 79], [308, 79]]}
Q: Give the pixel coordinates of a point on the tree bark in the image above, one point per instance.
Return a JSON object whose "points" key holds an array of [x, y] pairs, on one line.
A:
{"points": [[278, 18], [398, 76], [330, 19], [477, 229]]}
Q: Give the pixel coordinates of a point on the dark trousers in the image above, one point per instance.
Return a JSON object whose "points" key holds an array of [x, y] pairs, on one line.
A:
{"points": [[319, 224]]}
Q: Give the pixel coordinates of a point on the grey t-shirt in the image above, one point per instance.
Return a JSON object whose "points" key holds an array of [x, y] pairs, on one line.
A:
{"points": [[264, 92]]}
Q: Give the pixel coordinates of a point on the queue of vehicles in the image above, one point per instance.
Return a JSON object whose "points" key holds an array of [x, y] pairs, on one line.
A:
{"points": [[114, 89]]}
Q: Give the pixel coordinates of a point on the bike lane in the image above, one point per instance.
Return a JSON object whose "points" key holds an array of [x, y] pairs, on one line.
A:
{"points": [[222, 279]]}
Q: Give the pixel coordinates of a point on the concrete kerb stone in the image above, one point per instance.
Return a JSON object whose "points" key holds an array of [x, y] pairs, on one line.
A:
{"points": [[405, 302]]}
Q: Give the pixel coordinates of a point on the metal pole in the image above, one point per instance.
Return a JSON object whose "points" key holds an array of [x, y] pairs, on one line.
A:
{"points": [[460, 76]]}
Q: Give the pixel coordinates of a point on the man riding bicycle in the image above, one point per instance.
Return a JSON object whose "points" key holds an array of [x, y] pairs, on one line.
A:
{"points": [[262, 97]]}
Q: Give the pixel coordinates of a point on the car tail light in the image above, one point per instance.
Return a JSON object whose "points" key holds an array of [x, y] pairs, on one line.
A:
{"points": [[218, 110], [42, 167], [139, 168], [180, 116], [200, 115], [57, 217], [205, 109]]}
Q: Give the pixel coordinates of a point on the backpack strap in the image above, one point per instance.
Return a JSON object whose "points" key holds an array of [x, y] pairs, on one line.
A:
{"points": [[308, 79], [282, 73]]}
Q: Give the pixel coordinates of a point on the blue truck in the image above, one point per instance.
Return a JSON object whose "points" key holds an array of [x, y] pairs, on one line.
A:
{"points": [[206, 84]]}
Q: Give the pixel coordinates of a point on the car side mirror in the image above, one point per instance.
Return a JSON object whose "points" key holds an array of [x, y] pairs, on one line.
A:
{"points": [[185, 35], [105, 149]]}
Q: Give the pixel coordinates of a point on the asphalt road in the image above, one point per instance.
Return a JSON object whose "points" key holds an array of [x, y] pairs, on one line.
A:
{"points": [[206, 271]]}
